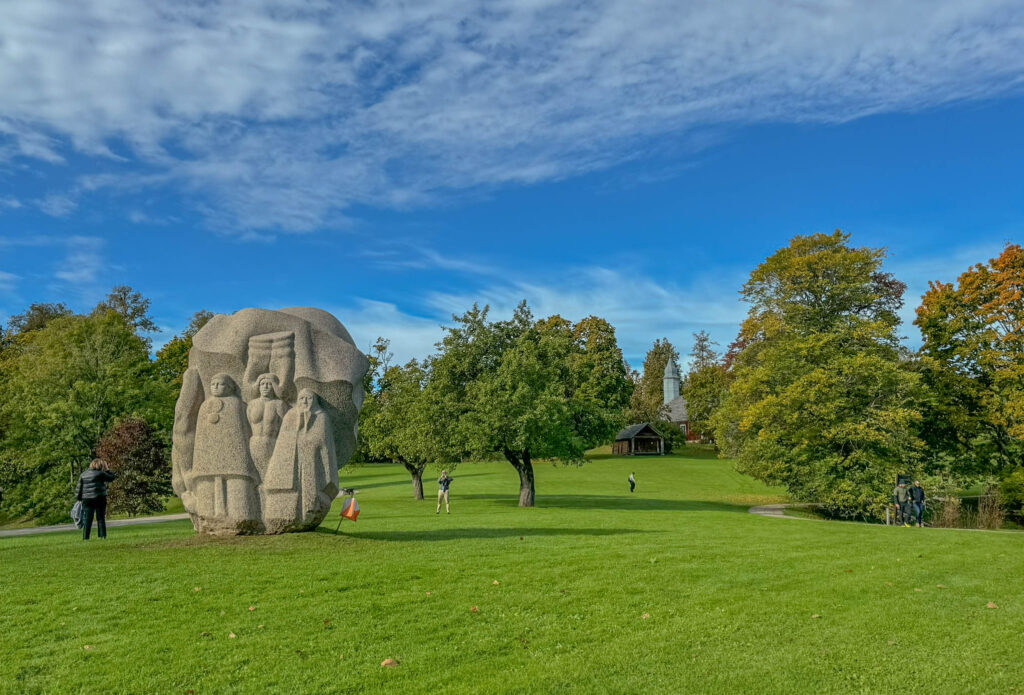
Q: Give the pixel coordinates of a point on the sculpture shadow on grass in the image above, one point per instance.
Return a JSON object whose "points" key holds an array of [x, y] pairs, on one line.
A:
{"points": [[450, 534], [616, 502]]}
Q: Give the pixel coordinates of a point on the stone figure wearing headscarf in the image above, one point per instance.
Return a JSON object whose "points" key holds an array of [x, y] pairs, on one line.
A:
{"points": [[265, 414], [223, 478], [302, 479]]}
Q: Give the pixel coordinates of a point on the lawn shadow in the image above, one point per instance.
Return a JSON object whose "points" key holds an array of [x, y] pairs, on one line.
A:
{"points": [[616, 502], [449, 534]]}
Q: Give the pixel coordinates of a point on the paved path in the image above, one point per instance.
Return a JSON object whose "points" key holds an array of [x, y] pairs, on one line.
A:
{"points": [[779, 511], [110, 524]]}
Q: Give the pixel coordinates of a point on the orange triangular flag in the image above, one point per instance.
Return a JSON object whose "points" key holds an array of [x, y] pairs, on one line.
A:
{"points": [[350, 510]]}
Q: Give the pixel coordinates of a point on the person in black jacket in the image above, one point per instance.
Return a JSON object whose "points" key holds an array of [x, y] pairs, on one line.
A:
{"points": [[92, 491], [917, 499]]}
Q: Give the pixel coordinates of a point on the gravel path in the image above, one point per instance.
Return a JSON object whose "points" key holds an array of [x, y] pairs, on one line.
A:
{"points": [[110, 524]]}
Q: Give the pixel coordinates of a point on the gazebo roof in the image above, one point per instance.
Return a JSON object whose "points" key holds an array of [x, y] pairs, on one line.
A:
{"points": [[634, 430]]}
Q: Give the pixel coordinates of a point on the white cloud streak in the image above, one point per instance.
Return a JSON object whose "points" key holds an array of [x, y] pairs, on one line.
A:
{"points": [[276, 115]]}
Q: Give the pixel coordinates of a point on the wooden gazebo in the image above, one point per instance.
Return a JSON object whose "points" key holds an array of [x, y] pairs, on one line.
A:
{"points": [[639, 440]]}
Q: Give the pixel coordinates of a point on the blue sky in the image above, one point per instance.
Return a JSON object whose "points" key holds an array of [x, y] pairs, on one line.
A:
{"points": [[394, 163]]}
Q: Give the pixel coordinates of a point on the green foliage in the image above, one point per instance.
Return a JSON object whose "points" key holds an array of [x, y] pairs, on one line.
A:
{"points": [[524, 389], [821, 400], [647, 403], [172, 358], [64, 385], [130, 306], [973, 362], [36, 317], [139, 458], [705, 385], [1012, 491]]}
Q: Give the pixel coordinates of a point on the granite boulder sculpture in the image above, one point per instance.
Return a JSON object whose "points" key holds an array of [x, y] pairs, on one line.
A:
{"points": [[267, 415]]}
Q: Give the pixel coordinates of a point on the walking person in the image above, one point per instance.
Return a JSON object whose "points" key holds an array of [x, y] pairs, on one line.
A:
{"points": [[632, 482], [901, 496], [443, 484], [92, 492], [917, 499]]}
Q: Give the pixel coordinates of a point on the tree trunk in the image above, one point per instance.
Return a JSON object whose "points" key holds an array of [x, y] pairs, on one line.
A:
{"points": [[524, 467], [417, 480]]}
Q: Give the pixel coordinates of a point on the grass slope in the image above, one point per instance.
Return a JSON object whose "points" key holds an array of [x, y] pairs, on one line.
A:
{"points": [[735, 602]]}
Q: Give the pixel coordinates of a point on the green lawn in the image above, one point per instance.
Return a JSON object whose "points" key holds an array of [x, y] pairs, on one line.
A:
{"points": [[673, 589]]}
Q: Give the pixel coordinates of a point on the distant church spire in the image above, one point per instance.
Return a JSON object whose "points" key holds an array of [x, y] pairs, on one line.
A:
{"points": [[670, 384]]}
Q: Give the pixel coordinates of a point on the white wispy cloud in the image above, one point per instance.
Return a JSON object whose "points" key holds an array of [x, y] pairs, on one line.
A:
{"points": [[280, 115], [83, 261], [8, 282]]}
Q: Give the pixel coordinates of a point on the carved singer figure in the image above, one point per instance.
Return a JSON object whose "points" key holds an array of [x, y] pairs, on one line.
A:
{"points": [[223, 476], [265, 415], [302, 479]]}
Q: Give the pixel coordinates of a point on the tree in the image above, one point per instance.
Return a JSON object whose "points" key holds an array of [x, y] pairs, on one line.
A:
{"points": [[648, 400], [139, 458], [705, 384], [525, 389], [822, 400], [172, 358], [64, 385], [972, 358], [399, 426], [130, 306], [36, 317]]}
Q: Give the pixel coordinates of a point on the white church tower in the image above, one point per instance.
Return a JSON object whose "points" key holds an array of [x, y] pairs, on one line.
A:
{"points": [[675, 405], [671, 382]]}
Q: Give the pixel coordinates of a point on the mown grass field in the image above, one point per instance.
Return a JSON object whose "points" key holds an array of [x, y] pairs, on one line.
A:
{"points": [[672, 589]]}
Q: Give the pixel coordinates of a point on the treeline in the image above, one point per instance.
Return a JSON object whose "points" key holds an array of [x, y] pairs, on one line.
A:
{"points": [[818, 393], [74, 386]]}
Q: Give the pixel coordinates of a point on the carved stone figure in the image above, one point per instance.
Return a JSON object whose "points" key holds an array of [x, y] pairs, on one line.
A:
{"points": [[223, 477], [267, 414], [302, 479]]}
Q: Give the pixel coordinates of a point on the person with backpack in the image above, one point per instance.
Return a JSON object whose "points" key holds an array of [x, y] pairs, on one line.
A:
{"points": [[92, 493], [443, 485], [901, 496]]}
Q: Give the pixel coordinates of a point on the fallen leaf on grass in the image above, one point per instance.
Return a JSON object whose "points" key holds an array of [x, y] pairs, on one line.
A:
{"points": [[645, 616], [231, 635], [252, 608], [917, 590], [496, 582], [198, 588], [991, 605], [892, 642], [190, 691], [327, 622], [428, 593], [259, 627], [815, 616], [87, 647], [474, 609], [341, 656], [848, 571], [888, 583], [389, 663], [941, 586]]}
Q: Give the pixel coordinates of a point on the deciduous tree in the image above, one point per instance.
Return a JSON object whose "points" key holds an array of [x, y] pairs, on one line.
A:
{"points": [[822, 401], [139, 458]]}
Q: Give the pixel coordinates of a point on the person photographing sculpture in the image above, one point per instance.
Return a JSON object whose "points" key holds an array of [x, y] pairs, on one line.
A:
{"points": [[443, 484], [92, 493]]}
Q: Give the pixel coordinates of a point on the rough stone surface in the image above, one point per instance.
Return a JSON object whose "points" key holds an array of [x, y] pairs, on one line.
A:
{"points": [[267, 414]]}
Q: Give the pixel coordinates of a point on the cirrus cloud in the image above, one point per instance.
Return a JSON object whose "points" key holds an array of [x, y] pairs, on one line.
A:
{"points": [[278, 115]]}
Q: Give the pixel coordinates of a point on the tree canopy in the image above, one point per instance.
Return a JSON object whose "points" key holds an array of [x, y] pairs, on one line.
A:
{"points": [[821, 400]]}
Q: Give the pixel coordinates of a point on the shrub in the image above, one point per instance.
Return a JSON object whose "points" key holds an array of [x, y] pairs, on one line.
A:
{"points": [[139, 459]]}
